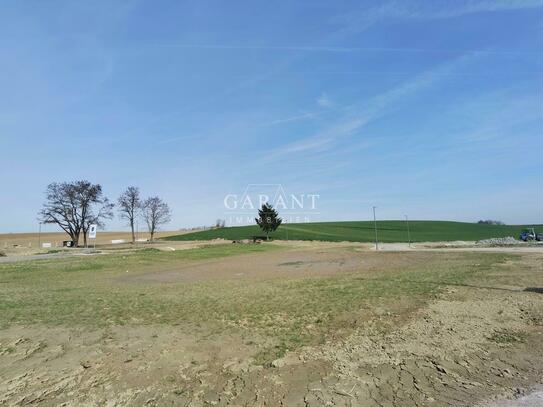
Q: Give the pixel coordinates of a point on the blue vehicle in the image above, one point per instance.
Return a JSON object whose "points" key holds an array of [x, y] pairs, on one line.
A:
{"points": [[528, 235]]}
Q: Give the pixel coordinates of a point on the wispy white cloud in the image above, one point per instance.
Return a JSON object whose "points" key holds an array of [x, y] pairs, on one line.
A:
{"points": [[354, 22], [443, 9], [291, 119], [356, 117], [314, 144], [324, 101], [509, 115], [364, 18], [339, 49]]}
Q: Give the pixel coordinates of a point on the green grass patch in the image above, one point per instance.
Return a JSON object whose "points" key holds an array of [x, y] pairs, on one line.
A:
{"points": [[363, 231], [507, 337]]}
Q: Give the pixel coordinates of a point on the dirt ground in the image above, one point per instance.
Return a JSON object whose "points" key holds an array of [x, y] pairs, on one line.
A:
{"points": [[467, 345], [267, 266], [29, 243]]}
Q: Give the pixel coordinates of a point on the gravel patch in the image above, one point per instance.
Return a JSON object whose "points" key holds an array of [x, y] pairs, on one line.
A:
{"points": [[499, 241]]}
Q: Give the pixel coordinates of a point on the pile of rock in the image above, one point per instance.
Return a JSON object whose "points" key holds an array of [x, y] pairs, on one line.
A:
{"points": [[247, 241], [499, 241]]}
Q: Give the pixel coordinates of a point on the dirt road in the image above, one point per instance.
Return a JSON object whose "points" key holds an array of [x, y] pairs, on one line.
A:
{"points": [[536, 247]]}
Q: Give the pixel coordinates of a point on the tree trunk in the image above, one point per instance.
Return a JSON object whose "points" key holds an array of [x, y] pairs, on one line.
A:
{"points": [[267, 236], [75, 239], [152, 234], [132, 227]]}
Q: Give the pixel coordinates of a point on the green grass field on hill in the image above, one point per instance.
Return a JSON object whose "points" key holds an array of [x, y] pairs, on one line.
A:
{"points": [[363, 231]]}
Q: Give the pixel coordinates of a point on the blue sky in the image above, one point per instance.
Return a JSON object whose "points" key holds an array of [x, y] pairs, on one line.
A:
{"points": [[427, 108]]}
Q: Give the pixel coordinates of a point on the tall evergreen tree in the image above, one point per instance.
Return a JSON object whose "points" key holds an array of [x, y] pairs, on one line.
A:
{"points": [[268, 219]]}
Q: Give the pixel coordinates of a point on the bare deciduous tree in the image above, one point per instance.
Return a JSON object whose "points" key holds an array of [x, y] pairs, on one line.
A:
{"points": [[129, 207], [97, 215], [156, 212], [74, 206]]}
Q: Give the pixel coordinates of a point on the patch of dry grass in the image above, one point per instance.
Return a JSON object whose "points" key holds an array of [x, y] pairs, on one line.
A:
{"points": [[293, 312]]}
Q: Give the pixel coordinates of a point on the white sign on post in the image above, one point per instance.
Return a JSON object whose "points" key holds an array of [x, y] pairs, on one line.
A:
{"points": [[92, 232]]}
